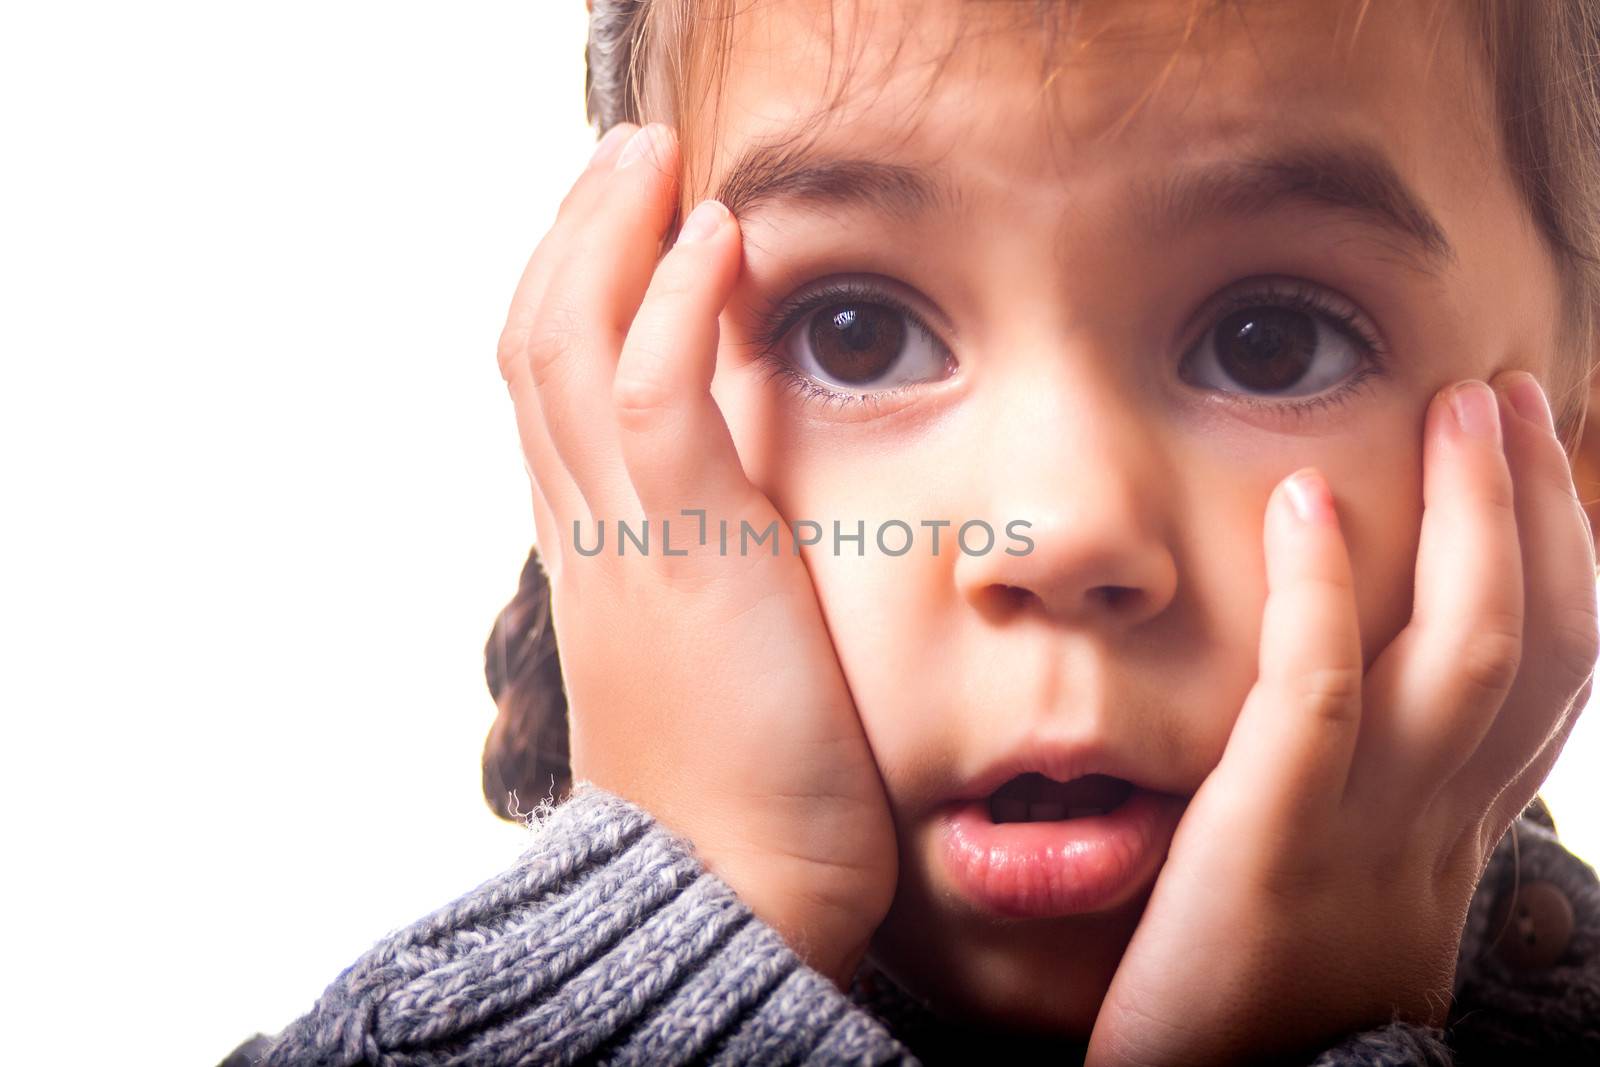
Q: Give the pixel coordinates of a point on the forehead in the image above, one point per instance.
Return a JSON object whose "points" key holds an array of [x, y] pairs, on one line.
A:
{"points": [[981, 92]]}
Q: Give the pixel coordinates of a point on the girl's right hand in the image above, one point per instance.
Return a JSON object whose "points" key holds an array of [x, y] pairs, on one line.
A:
{"points": [[703, 687]]}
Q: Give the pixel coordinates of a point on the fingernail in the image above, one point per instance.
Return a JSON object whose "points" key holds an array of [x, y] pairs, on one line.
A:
{"points": [[702, 221], [1308, 495], [1477, 410], [607, 146], [640, 144], [1529, 400]]}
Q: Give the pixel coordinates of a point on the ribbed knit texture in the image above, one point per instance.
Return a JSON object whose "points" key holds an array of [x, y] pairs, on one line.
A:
{"points": [[607, 942]]}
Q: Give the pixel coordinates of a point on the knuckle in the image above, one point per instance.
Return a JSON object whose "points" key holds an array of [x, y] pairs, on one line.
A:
{"points": [[674, 281], [1336, 587], [1553, 466], [638, 399], [1500, 494], [558, 331], [1493, 655], [510, 350], [1577, 640], [577, 194], [1332, 693]]}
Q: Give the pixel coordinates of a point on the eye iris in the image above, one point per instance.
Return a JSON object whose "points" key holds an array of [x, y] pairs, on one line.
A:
{"points": [[1266, 347], [856, 343]]}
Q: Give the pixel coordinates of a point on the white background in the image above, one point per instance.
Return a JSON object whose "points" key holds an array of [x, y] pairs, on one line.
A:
{"points": [[262, 495]]}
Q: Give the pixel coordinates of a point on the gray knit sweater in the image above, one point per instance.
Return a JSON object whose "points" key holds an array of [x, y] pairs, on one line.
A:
{"points": [[607, 942]]}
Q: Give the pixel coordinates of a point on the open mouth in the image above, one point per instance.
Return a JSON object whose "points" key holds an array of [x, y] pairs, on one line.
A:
{"points": [[1034, 797], [1097, 840]]}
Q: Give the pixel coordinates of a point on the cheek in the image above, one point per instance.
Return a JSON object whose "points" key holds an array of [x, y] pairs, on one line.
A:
{"points": [[1222, 561], [1377, 487], [903, 651], [1380, 512], [898, 622], [887, 615]]}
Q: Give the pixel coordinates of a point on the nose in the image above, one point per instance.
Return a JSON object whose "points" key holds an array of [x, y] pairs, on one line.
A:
{"points": [[1089, 472]]}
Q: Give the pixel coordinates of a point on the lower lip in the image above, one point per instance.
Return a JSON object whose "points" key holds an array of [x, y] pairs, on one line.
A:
{"points": [[1065, 867]]}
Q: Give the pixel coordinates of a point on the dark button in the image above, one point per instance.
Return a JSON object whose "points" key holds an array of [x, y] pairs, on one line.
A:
{"points": [[1535, 932]]}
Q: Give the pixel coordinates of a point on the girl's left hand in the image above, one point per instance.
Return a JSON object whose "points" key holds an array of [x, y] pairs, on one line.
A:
{"points": [[1319, 881]]}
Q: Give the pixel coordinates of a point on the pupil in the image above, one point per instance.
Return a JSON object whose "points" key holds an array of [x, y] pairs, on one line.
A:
{"points": [[856, 343], [1266, 348]]}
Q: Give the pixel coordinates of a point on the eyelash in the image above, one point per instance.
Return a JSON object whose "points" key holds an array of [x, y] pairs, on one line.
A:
{"points": [[1314, 300], [1291, 294], [782, 319]]}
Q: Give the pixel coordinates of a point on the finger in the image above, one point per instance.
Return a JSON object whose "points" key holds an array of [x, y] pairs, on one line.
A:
{"points": [[580, 199], [555, 489], [547, 529], [549, 524], [1444, 678], [553, 486], [675, 442], [1291, 747], [1519, 793], [594, 293], [1561, 634]]}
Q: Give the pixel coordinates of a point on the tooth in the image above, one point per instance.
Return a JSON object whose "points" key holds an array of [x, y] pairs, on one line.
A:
{"points": [[1008, 809], [1046, 811], [1088, 809]]}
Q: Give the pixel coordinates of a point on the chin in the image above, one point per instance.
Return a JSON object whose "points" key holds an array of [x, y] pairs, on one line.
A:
{"points": [[1036, 979]]}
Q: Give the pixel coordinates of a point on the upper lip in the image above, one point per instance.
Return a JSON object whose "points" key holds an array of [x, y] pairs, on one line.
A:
{"points": [[1061, 760]]}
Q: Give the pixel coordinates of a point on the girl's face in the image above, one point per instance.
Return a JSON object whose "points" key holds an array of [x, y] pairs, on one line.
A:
{"points": [[1125, 337]]}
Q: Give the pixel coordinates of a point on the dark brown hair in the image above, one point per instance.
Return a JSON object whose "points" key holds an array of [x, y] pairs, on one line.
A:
{"points": [[525, 756], [659, 60]]}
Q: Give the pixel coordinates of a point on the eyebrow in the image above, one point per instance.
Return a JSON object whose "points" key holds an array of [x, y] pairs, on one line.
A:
{"points": [[1354, 177], [765, 175]]}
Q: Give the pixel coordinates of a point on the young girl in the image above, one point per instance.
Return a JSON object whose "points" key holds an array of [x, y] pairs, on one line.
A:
{"points": [[1064, 552]]}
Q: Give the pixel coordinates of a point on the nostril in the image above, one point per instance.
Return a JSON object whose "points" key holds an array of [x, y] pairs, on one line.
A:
{"points": [[1015, 596], [998, 602], [1116, 596]]}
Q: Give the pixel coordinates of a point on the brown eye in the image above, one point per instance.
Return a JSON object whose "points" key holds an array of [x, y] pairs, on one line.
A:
{"points": [[855, 344], [1281, 344], [852, 341], [1266, 348]]}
